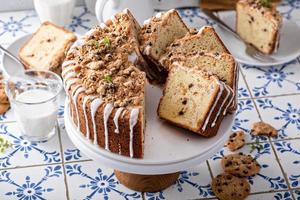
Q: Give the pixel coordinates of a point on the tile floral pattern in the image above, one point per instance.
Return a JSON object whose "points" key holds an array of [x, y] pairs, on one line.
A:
{"points": [[56, 169]]}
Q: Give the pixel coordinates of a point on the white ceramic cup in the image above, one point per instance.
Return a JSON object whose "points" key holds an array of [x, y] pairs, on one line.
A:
{"points": [[141, 9], [58, 12]]}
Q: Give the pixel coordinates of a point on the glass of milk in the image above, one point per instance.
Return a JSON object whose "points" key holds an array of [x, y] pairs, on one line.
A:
{"points": [[34, 98], [58, 12]]}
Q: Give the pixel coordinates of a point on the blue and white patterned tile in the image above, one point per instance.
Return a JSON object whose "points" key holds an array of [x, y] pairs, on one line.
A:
{"points": [[273, 80], [290, 9], [246, 115], [26, 153], [192, 184], [45, 182], [270, 177], [82, 21], [17, 24], [193, 17], [243, 91], [71, 153], [283, 113], [275, 196], [296, 194], [289, 155], [88, 180]]}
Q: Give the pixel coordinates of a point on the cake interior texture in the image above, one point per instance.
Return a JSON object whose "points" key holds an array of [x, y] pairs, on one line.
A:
{"points": [[192, 99], [160, 32], [223, 65], [45, 50], [204, 40], [258, 25]]}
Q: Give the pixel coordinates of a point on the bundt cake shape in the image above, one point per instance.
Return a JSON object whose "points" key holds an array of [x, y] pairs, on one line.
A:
{"points": [[105, 88]]}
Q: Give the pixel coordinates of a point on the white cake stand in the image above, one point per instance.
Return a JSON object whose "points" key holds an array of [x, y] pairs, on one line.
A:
{"points": [[168, 149]]}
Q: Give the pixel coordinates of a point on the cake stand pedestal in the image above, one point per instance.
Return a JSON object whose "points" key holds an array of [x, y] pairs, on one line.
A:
{"points": [[167, 150], [146, 183]]}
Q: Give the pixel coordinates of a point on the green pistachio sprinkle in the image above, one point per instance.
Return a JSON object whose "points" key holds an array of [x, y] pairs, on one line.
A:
{"points": [[108, 78], [106, 41], [266, 3], [96, 43]]}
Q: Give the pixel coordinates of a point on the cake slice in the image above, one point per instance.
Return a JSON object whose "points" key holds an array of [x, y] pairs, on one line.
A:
{"points": [[45, 50], [195, 100], [258, 23], [156, 34], [204, 40]]}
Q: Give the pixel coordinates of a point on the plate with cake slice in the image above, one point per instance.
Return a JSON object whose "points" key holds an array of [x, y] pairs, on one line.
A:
{"points": [[149, 99], [263, 27], [43, 50]]}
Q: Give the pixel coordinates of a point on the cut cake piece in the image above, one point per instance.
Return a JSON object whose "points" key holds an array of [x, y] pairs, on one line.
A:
{"points": [[195, 100], [204, 40], [45, 50], [258, 23], [105, 87], [156, 34]]}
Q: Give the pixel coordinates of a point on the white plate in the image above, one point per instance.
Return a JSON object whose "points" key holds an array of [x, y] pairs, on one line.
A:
{"points": [[289, 47], [167, 148], [9, 66]]}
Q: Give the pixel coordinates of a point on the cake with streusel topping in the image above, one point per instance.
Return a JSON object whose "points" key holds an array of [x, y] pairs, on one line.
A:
{"points": [[106, 87]]}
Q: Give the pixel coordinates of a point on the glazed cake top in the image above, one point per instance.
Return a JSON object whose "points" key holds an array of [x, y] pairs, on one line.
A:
{"points": [[104, 61]]}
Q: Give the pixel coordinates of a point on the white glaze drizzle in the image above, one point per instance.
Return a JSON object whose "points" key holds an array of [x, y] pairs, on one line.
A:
{"points": [[68, 76], [70, 82], [107, 111], [229, 104], [67, 62], [158, 15], [116, 119], [75, 98], [67, 69], [94, 107], [132, 122], [85, 100], [102, 25], [147, 21], [214, 105], [222, 105]]}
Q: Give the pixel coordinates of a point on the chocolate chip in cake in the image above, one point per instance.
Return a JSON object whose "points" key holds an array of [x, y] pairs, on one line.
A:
{"points": [[191, 85]]}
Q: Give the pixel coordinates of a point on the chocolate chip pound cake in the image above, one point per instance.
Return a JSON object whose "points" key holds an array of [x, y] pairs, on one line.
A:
{"points": [[195, 100], [258, 23], [105, 86], [204, 40], [156, 34], [204, 50], [45, 50]]}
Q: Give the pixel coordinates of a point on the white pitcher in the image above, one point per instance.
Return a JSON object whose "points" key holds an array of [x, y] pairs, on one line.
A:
{"points": [[141, 9]]}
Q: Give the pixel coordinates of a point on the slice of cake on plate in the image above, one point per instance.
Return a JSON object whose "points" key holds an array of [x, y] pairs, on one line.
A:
{"points": [[45, 50], [157, 33], [195, 100], [106, 87], [258, 23]]}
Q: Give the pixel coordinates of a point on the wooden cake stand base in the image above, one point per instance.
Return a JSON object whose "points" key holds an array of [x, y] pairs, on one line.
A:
{"points": [[146, 183]]}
